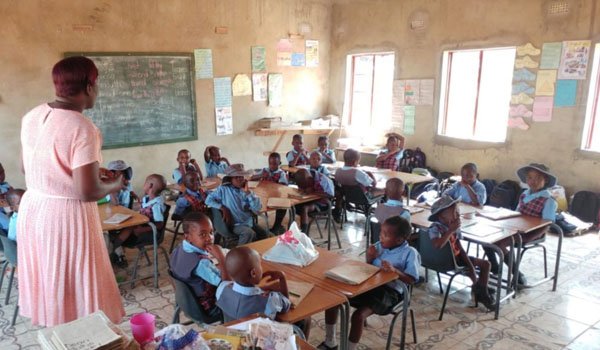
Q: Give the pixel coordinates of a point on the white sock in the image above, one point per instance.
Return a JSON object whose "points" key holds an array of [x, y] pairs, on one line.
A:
{"points": [[330, 336], [352, 346]]}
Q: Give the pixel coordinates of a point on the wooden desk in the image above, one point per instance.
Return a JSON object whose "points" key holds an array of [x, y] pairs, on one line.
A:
{"points": [[209, 183], [107, 210]]}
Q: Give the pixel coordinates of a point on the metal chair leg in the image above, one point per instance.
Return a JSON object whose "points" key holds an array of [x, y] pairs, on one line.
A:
{"points": [[15, 313], [446, 295], [135, 268], [389, 337], [176, 314], [439, 278], [175, 234], [414, 325], [3, 273], [10, 282]]}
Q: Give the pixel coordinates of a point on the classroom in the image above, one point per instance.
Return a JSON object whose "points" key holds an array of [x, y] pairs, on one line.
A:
{"points": [[510, 86]]}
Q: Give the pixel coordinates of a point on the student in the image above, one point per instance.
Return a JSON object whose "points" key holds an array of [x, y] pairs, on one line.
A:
{"points": [[186, 163], [394, 188], [535, 201], [391, 253], [391, 156], [215, 164], [315, 163], [125, 196], [192, 199], [153, 207], [298, 155], [13, 196], [238, 204], [445, 229], [4, 186], [327, 153], [242, 296], [274, 174], [469, 190], [311, 182], [191, 262]]}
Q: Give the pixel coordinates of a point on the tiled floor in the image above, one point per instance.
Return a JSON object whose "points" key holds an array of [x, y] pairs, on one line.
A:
{"points": [[537, 319]]}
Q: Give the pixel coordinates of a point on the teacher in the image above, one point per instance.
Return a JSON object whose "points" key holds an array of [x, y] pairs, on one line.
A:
{"points": [[64, 269]]}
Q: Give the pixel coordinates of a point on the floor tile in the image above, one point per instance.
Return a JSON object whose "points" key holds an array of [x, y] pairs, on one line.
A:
{"points": [[589, 340]]}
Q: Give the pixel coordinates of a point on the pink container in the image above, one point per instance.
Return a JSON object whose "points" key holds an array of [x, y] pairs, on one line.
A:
{"points": [[142, 327]]}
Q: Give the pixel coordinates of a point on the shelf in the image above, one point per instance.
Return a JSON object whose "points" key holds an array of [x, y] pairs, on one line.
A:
{"points": [[297, 130]]}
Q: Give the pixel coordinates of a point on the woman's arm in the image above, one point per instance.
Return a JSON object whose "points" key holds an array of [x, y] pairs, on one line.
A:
{"points": [[89, 186]]}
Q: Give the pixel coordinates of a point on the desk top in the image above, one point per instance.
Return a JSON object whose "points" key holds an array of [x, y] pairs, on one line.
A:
{"points": [[268, 189], [107, 210]]}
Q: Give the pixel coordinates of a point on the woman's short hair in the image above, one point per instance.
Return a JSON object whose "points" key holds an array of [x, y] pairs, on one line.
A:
{"points": [[72, 75]]}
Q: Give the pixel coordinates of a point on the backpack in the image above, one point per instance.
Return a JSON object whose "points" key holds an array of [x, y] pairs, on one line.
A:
{"points": [[419, 159], [405, 162], [585, 205], [489, 185], [505, 195], [412, 159]]}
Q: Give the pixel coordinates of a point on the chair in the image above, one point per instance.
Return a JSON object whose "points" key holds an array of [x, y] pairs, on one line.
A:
{"points": [[177, 221], [539, 243], [10, 252], [402, 308], [223, 235], [441, 261], [326, 215], [158, 237], [362, 202], [185, 301]]}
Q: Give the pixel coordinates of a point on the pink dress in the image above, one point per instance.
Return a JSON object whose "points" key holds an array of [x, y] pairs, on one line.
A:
{"points": [[64, 269]]}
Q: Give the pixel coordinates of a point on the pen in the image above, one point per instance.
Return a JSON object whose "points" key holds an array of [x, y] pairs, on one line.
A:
{"points": [[294, 294]]}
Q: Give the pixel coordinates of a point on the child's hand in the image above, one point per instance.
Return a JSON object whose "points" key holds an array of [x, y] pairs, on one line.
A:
{"points": [[193, 162], [371, 253], [387, 267], [216, 251], [454, 225], [271, 276]]}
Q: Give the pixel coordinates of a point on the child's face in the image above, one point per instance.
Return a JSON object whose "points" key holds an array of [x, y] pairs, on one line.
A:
{"points": [[238, 181], [192, 181], [535, 180], [387, 237], [14, 203], [215, 155], [315, 159], [298, 144], [323, 144], [392, 144], [469, 175], [200, 234], [2, 174], [273, 163], [183, 158], [449, 215]]}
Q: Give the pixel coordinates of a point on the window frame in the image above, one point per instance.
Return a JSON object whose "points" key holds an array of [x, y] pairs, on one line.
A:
{"points": [[591, 110]]}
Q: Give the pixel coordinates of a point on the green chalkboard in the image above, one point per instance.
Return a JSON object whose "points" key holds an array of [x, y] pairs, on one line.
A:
{"points": [[145, 98]]}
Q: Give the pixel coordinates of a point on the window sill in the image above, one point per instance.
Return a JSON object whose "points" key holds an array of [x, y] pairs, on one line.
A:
{"points": [[584, 154], [467, 144]]}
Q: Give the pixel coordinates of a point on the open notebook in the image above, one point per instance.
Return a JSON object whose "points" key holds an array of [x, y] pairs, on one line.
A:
{"points": [[117, 219], [480, 229], [494, 213], [352, 272]]}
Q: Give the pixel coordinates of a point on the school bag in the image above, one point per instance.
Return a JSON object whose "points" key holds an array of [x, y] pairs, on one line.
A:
{"points": [[585, 205], [505, 195], [489, 185], [405, 162], [412, 159]]}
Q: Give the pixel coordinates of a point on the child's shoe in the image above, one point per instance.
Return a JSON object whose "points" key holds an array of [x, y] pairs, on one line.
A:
{"points": [[480, 294], [324, 346]]}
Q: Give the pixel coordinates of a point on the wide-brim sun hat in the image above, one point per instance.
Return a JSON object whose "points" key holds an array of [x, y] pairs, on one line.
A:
{"points": [[237, 170], [120, 165], [441, 204], [550, 179]]}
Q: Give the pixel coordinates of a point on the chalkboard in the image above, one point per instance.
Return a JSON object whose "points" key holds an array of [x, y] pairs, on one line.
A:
{"points": [[145, 98]]}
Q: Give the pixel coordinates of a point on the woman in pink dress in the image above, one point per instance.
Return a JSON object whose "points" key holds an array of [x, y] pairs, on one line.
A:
{"points": [[64, 270]]}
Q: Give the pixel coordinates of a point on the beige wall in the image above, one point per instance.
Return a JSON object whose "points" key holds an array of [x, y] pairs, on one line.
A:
{"points": [[379, 25], [35, 34]]}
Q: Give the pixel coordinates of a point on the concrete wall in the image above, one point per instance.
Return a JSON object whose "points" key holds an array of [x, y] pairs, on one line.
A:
{"points": [[36, 33], [381, 25]]}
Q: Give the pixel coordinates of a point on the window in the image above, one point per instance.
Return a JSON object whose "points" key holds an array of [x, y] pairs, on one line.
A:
{"points": [[475, 93], [591, 129], [369, 82]]}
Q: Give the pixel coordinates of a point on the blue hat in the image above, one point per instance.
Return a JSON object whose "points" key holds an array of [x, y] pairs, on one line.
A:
{"points": [[441, 204], [550, 179], [119, 165]]}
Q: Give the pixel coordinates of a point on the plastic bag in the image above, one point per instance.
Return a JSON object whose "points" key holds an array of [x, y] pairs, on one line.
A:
{"points": [[293, 247]]}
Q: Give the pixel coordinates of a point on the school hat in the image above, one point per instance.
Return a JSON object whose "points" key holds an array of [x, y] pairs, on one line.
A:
{"points": [[550, 179], [441, 204], [237, 170], [119, 165]]}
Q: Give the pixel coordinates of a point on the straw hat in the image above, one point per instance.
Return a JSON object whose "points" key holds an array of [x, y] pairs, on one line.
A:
{"points": [[441, 204], [550, 179], [119, 165]]}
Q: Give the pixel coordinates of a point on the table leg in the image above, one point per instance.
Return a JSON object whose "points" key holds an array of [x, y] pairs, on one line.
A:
{"points": [[155, 253], [519, 244], [409, 188], [498, 252], [344, 325]]}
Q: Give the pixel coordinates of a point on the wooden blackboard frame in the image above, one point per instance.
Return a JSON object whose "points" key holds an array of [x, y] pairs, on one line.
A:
{"points": [[145, 54]]}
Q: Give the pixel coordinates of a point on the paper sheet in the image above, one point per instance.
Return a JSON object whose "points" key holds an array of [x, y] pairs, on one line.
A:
{"points": [[312, 53], [525, 62], [517, 123], [544, 85], [521, 99], [203, 63], [574, 59], [224, 119], [242, 85], [259, 86], [284, 45], [398, 104], [298, 59], [519, 111], [284, 59], [522, 87], [409, 120], [542, 108], [566, 93], [523, 74], [527, 49], [426, 90], [411, 92], [258, 59], [550, 55], [275, 89], [222, 89]]}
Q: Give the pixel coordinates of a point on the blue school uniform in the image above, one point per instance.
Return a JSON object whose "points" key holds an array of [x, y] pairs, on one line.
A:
{"points": [[242, 205], [403, 257], [329, 152], [391, 208], [12, 227], [321, 169], [458, 190], [550, 205], [183, 203], [344, 177], [237, 301], [214, 168], [178, 176], [123, 197], [154, 208], [277, 175], [4, 220], [302, 160], [4, 187]]}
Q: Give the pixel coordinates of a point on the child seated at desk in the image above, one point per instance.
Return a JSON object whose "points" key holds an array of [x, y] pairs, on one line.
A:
{"points": [[153, 207], [192, 199], [351, 175], [445, 229], [310, 182], [391, 156], [4, 187], [186, 163], [391, 253], [469, 190], [315, 163], [13, 196], [215, 164], [327, 153], [125, 196], [298, 155], [238, 204], [274, 174], [394, 188], [191, 262], [243, 297]]}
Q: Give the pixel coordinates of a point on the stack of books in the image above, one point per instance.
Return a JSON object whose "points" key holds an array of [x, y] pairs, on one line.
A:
{"points": [[93, 332]]}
